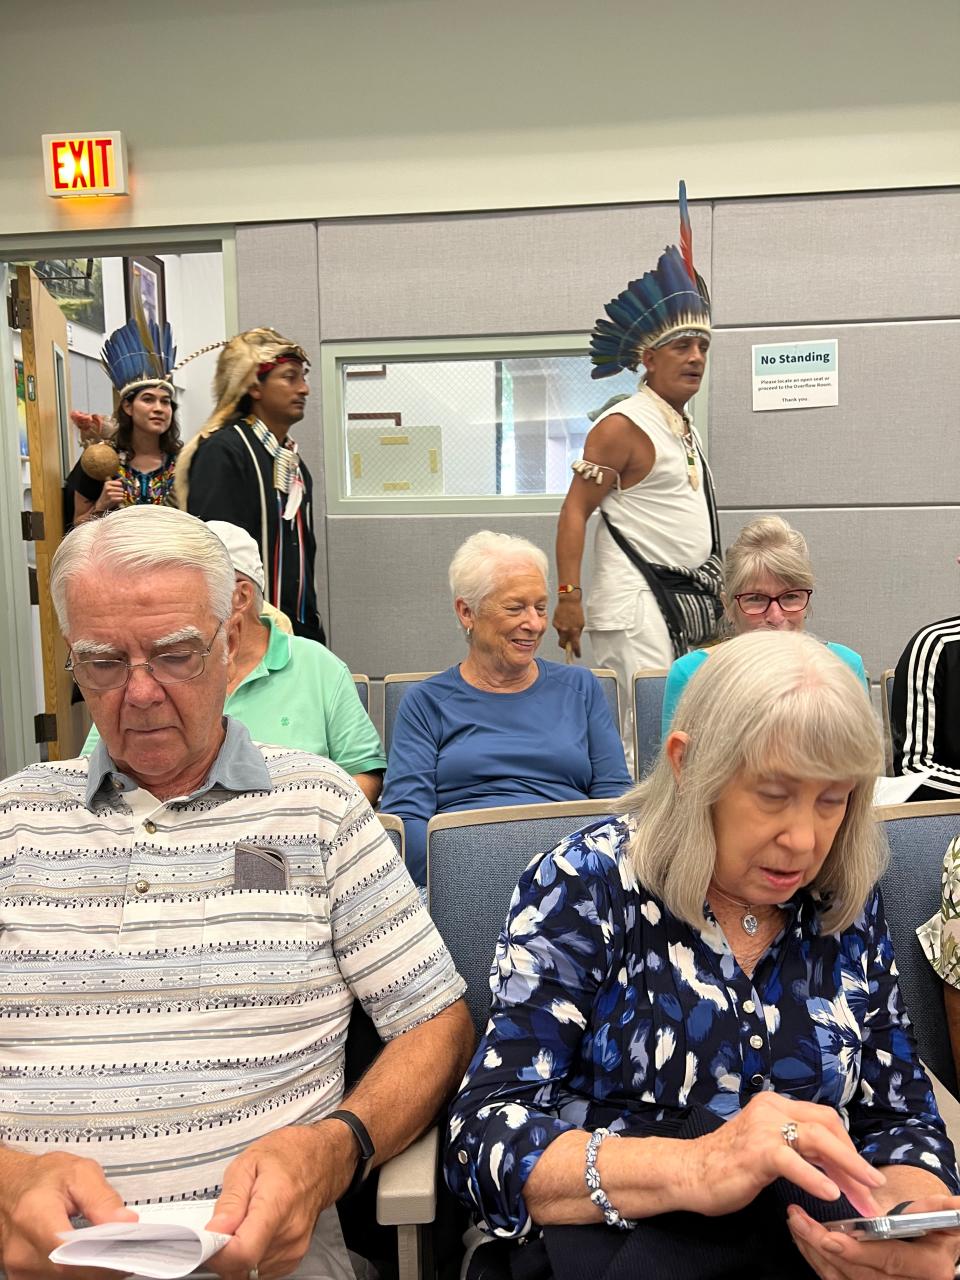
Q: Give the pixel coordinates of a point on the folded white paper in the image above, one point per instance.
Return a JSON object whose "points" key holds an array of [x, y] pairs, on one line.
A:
{"points": [[168, 1241]]}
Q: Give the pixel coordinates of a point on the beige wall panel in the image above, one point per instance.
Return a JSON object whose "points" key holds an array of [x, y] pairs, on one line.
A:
{"points": [[827, 258], [893, 438], [537, 272]]}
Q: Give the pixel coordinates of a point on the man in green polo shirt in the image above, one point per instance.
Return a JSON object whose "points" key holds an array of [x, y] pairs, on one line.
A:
{"points": [[287, 690]]}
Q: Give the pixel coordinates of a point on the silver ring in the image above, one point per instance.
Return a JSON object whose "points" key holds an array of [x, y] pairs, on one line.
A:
{"points": [[253, 1273], [789, 1131]]}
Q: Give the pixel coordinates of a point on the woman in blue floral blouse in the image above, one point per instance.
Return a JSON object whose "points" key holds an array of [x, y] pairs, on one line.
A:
{"points": [[695, 1006]]}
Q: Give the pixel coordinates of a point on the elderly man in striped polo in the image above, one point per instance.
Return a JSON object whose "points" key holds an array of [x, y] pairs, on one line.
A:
{"points": [[185, 923]]}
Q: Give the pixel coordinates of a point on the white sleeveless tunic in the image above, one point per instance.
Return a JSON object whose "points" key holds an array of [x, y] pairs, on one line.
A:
{"points": [[663, 516]]}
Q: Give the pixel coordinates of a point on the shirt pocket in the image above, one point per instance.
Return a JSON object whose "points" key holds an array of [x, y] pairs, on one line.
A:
{"points": [[275, 941]]}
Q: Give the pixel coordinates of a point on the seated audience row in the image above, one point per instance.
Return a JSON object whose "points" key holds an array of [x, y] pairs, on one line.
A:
{"points": [[696, 1029]]}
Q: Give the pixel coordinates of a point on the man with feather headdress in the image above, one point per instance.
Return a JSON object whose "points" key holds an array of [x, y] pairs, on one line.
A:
{"points": [[244, 468], [656, 567]]}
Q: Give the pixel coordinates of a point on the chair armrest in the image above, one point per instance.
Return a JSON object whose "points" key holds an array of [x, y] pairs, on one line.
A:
{"points": [[407, 1190]]}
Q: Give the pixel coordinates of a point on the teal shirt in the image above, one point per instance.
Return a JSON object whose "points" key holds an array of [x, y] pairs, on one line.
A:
{"points": [[301, 695], [683, 668]]}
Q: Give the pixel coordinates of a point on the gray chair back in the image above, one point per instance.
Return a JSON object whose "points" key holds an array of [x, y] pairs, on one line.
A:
{"points": [[886, 711], [394, 687], [647, 709], [474, 860], [919, 834], [362, 684], [393, 826], [611, 691]]}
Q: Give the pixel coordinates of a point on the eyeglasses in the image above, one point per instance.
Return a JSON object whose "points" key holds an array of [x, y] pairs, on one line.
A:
{"points": [[754, 603], [101, 674]]}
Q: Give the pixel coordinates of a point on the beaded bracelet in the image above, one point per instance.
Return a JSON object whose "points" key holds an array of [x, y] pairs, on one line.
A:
{"points": [[611, 1216]]}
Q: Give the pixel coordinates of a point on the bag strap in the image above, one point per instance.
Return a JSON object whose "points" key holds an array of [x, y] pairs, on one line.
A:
{"points": [[711, 500], [665, 602]]}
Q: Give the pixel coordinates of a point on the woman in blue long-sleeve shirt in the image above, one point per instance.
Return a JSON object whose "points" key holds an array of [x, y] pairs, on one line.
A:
{"points": [[503, 726]]}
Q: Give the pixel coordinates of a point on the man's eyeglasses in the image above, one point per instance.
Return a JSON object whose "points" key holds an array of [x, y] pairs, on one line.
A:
{"points": [[100, 674], [754, 603]]}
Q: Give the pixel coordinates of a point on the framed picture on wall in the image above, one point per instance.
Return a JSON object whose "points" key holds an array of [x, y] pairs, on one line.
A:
{"points": [[145, 276]]}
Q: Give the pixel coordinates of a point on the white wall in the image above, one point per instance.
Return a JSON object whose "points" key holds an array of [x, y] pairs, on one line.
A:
{"points": [[195, 309], [235, 111]]}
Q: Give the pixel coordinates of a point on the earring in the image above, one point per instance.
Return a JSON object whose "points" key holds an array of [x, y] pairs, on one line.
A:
{"points": [[469, 631]]}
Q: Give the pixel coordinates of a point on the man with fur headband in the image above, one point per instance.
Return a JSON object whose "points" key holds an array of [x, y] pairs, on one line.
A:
{"points": [[244, 468]]}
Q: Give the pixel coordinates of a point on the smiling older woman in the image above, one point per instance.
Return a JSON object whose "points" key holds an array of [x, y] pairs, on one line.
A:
{"points": [[503, 726], [767, 585], [710, 980]]}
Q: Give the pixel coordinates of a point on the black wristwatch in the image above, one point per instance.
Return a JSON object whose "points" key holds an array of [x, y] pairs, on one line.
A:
{"points": [[367, 1149]]}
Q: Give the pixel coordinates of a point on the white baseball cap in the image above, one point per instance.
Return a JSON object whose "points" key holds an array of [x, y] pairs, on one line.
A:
{"points": [[243, 551]]}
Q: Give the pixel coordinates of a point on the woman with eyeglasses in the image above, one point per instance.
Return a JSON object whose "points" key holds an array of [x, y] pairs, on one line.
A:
{"points": [[767, 585]]}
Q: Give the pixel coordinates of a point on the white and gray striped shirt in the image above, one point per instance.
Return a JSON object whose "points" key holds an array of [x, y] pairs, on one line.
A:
{"points": [[158, 1017]]}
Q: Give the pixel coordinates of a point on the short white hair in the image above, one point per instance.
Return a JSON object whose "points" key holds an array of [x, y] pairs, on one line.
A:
{"points": [[139, 540], [763, 700], [483, 560]]}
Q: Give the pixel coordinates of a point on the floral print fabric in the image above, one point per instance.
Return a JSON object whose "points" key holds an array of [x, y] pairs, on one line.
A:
{"points": [[940, 936], [607, 1009]]}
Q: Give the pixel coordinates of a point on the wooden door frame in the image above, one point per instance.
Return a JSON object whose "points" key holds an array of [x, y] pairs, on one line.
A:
{"points": [[17, 677]]}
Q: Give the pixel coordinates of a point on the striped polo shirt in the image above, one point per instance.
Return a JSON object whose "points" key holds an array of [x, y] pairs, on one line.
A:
{"points": [[156, 1013]]}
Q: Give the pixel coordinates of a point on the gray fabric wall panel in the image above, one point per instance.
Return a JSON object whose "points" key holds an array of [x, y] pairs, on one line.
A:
{"points": [[538, 272], [278, 285], [881, 573], [828, 258], [893, 438], [391, 606]]}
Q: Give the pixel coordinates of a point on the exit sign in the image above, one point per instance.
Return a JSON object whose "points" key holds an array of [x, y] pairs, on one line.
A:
{"points": [[84, 164]]}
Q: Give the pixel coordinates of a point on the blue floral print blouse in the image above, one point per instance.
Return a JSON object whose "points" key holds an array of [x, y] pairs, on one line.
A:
{"points": [[608, 1008]]}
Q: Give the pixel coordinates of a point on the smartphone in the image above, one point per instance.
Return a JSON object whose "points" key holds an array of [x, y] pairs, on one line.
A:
{"points": [[898, 1226]]}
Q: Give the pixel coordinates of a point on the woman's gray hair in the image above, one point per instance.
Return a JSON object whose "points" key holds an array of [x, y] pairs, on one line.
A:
{"points": [[138, 540], [482, 559], [764, 702], [766, 546]]}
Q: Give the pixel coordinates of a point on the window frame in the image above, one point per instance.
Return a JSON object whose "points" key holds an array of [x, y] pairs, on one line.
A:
{"points": [[334, 355]]}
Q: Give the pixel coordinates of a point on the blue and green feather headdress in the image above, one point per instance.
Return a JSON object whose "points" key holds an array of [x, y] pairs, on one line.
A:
{"points": [[669, 302], [140, 354]]}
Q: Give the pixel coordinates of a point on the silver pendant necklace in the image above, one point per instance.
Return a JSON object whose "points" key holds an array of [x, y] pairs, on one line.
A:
{"points": [[748, 921]]}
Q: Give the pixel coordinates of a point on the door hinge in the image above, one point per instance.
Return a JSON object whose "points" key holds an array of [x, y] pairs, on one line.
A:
{"points": [[44, 728], [32, 585], [19, 311], [31, 526]]}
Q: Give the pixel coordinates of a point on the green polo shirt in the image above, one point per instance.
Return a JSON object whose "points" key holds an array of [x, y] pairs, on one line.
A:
{"points": [[301, 695]]}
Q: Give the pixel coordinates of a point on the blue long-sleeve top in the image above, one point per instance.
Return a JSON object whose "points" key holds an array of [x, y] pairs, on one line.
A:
{"points": [[457, 747], [607, 1009], [683, 669]]}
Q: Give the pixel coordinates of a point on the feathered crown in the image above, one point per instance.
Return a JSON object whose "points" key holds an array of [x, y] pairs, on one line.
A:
{"points": [[238, 367], [139, 354], [666, 303]]}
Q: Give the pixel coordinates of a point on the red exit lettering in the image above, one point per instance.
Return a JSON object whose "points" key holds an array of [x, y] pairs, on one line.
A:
{"points": [[82, 164]]}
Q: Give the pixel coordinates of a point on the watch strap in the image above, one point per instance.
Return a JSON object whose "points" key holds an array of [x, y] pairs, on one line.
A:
{"points": [[364, 1141]]}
